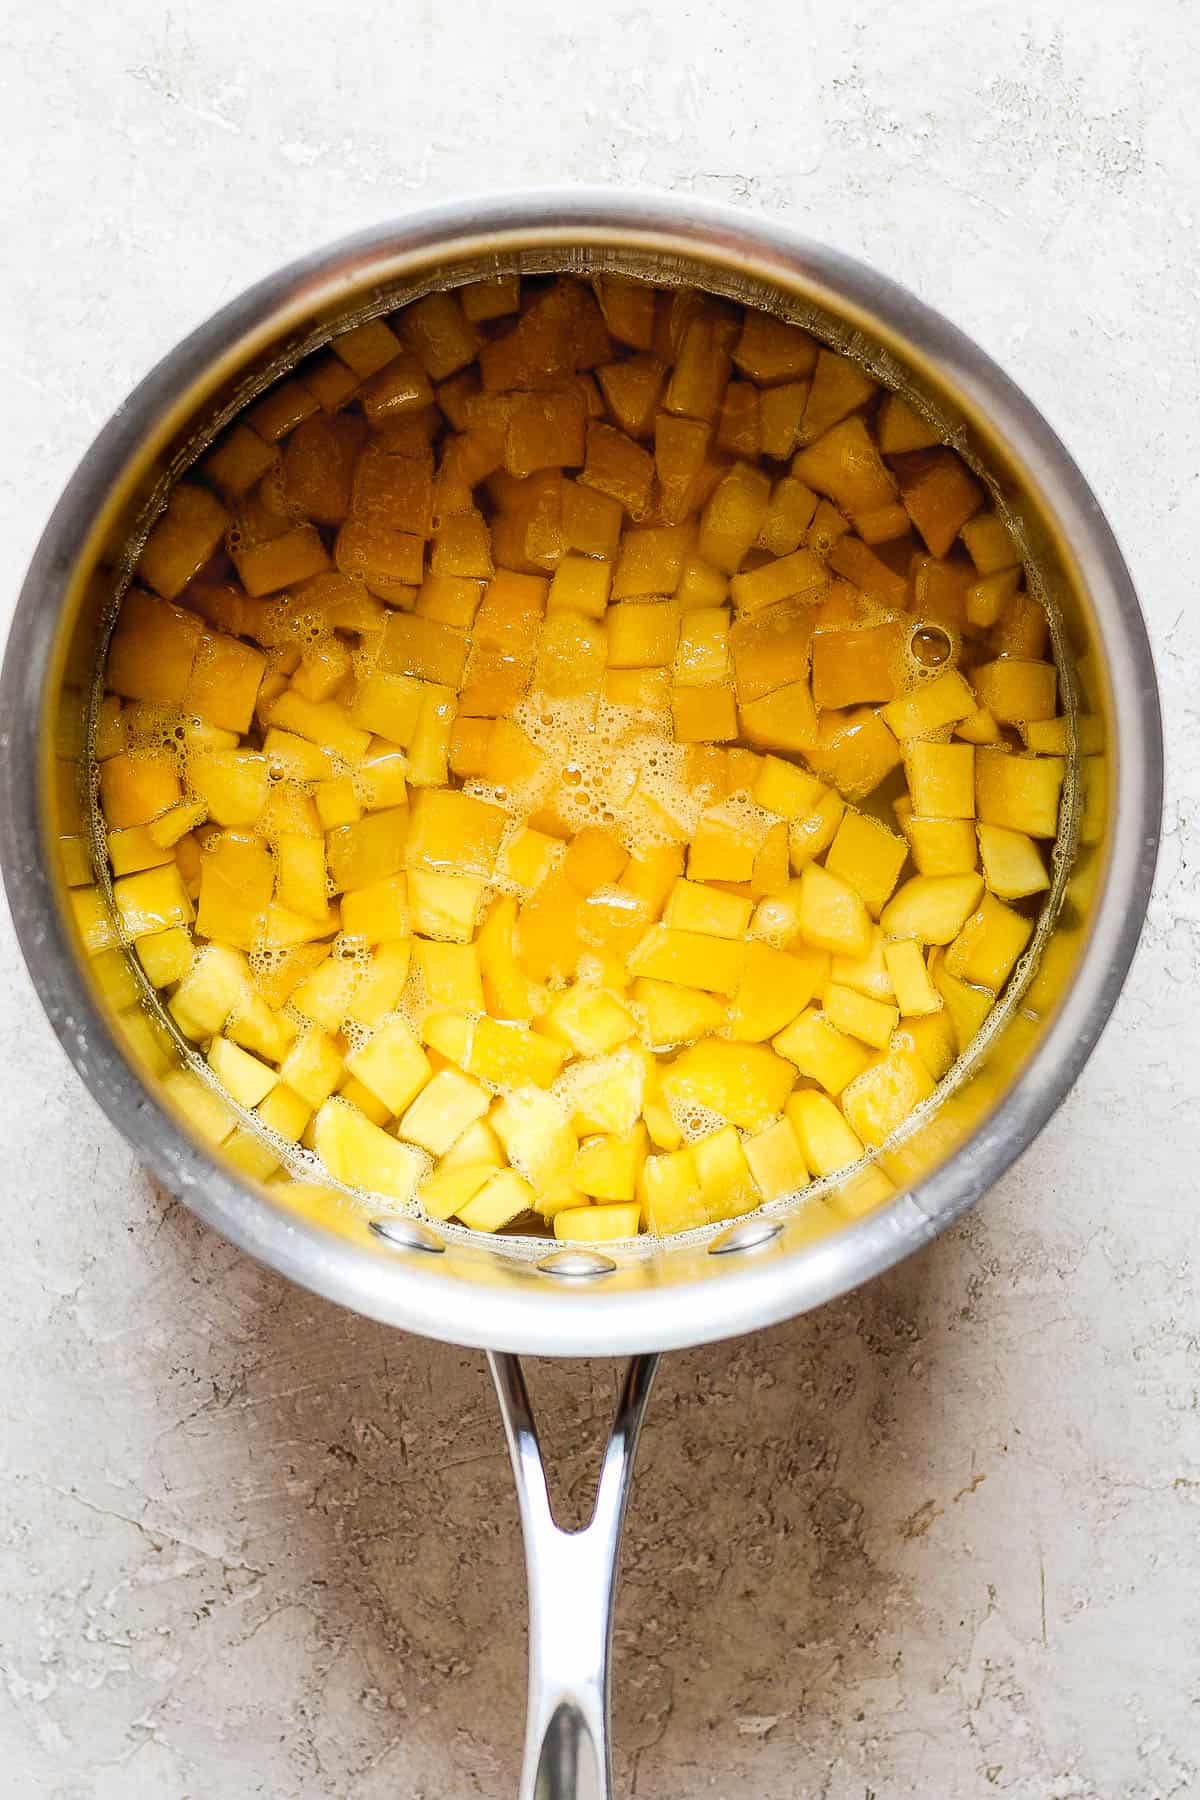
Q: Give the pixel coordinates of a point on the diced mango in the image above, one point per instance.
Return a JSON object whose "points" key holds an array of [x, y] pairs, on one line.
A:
{"points": [[832, 915], [1012, 863], [669, 1193], [915, 993], [362, 1155], [827, 1142], [1020, 793], [933, 908], [886, 1094], [987, 947], [745, 1084], [776, 985], [867, 856], [859, 1016], [392, 1064], [822, 1052]]}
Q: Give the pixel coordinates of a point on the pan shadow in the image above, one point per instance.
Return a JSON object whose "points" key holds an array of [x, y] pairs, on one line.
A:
{"points": [[370, 1639]]}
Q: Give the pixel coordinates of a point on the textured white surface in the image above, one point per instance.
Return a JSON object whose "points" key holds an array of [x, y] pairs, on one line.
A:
{"points": [[939, 1540]]}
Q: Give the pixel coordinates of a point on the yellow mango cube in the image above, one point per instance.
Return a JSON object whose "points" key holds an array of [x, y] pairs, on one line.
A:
{"points": [[128, 852], [832, 915], [377, 913], [726, 1183], [776, 1160], [503, 1198], [597, 1224], [933, 908], [244, 1077], [444, 906], [987, 947], [528, 857], [507, 1055], [693, 906], [886, 1094], [940, 846], [775, 987], [1020, 793], [704, 715], [362, 1155], [607, 1167], [392, 1064], [927, 709], [915, 992], [151, 901], [368, 851], [312, 1067], [182, 540], [858, 1015], [237, 876], [451, 974], [166, 956], [827, 1143], [536, 1133], [671, 1014], [153, 650], [1016, 690], [966, 1007], [839, 386], [641, 634], [136, 786], [733, 516], [387, 704], [785, 788], [337, 803], [442, 1111], [669, 1193], [378, 992], [690, 959], [868, 857], [285, 1113], [814, 831], [1012, 863], [899, 428], [941, 779], [449, 829], [300, 874], [210, 990], [932, 1037], [208, 1113], [254, 1026], [746, 1084], [324, 996], [589, 1020], [323, 722], [822, 1052]]}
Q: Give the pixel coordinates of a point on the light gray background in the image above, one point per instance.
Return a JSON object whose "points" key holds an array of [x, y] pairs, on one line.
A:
{"points": [[941, 1539]]}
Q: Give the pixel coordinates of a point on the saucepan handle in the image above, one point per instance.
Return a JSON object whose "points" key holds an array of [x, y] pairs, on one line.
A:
{"points": [[572, 1579]]}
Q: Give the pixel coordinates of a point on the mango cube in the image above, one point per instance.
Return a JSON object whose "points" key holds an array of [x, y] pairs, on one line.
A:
{"points": [[828, 1144], [745, 1084], [442, 1111], [669, 1193], [867, 856], [933, 908], [832, 915], [362, 1155], [886, 1094], [822, 1052], [1012, 863], [989, 944], [1020, 793]]}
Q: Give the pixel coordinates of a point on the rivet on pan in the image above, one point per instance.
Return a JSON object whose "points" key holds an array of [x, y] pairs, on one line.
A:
{"points": [[576, 1265], [747, 1234], [408, 1234]]}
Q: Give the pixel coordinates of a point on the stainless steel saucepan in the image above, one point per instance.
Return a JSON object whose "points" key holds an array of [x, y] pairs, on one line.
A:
{"points": [[512, 1295]]}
